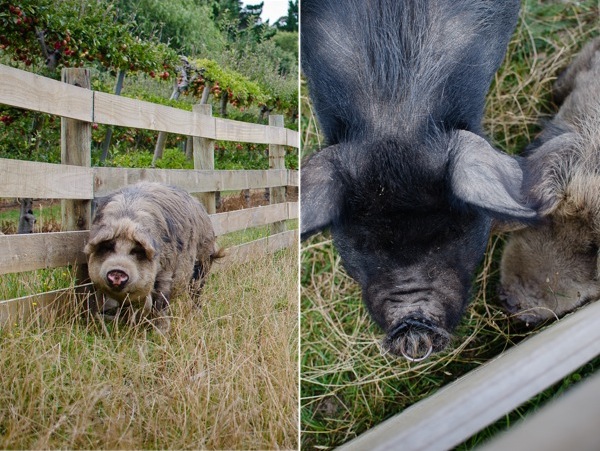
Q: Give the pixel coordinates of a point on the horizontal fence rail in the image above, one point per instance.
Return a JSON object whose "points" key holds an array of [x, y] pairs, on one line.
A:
{"points": [[54, 97], [191, 180], [60, 181], [567, 423], [51, 250]]}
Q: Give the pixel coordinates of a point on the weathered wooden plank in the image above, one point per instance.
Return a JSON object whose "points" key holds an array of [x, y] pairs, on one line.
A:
{"points": [[18, 309], [258, 248], [228, 130], [204, 158], [125, 112], [44, 94], [50, 250], [474, 401], [293, 178], [252, 217], [292, 138], [53, 97], [45, 180], [110, 179], [568, 423], [293, 210], [41, 250], [14, 310]]}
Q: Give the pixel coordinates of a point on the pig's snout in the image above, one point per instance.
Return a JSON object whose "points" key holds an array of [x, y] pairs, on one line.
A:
{"points": [[117, 279], [510, 303], [415, 339]]}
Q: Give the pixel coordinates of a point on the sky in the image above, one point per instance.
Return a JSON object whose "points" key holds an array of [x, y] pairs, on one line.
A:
{"points": [[272, 9]]}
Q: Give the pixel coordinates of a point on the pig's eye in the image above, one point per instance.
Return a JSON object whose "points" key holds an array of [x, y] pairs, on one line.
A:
{"points": [[105, 247], [139, 252]]}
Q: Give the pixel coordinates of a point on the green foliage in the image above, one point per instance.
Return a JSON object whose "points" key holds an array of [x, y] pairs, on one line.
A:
{"points": [[288, 42], [172, 159], [227, 156], [241, 90], [27, 135], [274, 69], [78, 34], [185, 25], [289, 22]]}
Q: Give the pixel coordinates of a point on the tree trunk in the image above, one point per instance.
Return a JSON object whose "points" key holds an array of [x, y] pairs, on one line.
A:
{"points": [[205, 93], [224, 98]]}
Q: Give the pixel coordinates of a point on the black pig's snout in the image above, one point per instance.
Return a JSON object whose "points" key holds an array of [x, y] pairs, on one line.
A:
{"points": [[117, 279], [415, 339]]}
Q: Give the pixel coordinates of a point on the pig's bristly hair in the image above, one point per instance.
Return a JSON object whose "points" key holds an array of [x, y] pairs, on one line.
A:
{"points": [[379, 77]]}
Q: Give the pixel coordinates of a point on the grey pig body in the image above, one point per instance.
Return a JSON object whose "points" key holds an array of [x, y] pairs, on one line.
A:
{"points": [[551, 269], [147, 242]]}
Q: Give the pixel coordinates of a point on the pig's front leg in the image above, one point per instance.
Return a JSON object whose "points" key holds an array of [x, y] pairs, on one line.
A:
{"points": [[161, 296]]}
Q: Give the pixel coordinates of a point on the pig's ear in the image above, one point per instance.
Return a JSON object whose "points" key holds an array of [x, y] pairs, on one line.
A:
{"points": [[320, 192], [545, 169], [487, 178]]}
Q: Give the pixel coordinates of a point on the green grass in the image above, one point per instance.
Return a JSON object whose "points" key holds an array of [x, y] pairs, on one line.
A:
{"points": [[347, 386], [225, 377], [255, 233]]}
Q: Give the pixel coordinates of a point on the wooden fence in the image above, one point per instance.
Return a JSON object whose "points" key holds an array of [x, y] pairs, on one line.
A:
{"points": [[77, 183]]}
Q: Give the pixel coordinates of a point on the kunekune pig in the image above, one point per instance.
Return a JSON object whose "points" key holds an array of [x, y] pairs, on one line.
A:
{"points": [[407, 185], [552, 268], [147, 242]]}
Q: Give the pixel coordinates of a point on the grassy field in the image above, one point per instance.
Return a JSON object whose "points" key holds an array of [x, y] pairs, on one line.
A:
{"points": [[347, 385], [226, 376]]}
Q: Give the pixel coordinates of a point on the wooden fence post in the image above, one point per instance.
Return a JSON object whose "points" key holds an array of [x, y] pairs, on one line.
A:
{"points": [[75, 149], [204, 157], [277, 161]]}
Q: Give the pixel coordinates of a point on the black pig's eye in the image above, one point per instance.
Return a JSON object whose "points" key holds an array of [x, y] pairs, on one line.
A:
{"points": [[139, 252], [105, 247]]}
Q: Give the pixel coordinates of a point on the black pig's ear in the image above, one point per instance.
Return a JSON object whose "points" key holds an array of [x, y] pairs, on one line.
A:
{"points": [[320, 192], [487, 178]]}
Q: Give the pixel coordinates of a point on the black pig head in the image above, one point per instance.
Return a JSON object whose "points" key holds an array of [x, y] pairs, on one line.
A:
{"points": [[411, 223], [407, 185]]}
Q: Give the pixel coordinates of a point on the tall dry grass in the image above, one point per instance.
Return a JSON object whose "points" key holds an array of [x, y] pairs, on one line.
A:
{"points": [[347, 385], [225, 378]]}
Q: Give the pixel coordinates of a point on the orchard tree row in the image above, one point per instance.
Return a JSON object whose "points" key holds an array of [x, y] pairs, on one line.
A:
{"points": [[232, 58]]}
